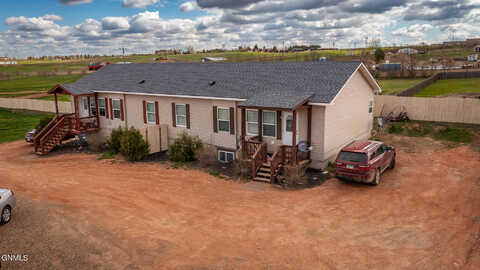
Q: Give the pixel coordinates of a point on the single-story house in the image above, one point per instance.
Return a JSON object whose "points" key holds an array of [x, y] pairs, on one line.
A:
{"points": [[272, 113]]}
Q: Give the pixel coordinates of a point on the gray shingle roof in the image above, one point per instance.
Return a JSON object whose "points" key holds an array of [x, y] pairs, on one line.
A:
{"points": [[268, 84]]}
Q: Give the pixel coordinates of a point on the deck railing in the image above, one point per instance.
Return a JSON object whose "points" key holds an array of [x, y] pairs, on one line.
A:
{"points": [[259, 158]]}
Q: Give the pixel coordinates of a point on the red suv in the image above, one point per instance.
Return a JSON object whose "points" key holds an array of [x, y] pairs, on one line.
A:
{"points": [[364, 161]]}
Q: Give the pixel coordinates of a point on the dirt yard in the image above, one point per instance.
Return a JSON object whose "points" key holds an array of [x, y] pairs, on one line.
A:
{"points": [[76, 212]]}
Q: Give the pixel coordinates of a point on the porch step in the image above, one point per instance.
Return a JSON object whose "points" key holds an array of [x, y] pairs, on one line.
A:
{"points": [[261, 179], [263, 169], [266, 175], [268, 165]]}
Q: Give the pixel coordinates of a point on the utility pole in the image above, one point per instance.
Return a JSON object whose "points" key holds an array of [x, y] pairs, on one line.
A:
{"points": [[123, 51]]}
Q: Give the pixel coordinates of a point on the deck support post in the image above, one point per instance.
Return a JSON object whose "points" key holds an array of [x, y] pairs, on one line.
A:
{"points": [[260, 131], [77, 122], [96, 110], [244, 142]]}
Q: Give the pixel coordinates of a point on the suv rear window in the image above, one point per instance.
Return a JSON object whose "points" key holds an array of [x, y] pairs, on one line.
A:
{"points": [[352, 157]]}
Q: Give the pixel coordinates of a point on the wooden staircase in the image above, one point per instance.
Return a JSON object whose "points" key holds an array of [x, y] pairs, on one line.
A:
{"points": [[52, 135], [264, 174]]}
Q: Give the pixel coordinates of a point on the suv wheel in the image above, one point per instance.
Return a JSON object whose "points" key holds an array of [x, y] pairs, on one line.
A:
{"points": [[6, 215], [392, 163], [376, 179]]}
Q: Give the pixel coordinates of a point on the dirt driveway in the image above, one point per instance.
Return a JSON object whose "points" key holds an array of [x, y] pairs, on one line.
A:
{"points": [[76, 212]]}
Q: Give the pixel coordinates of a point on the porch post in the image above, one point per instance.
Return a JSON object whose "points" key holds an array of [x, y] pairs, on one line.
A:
{"points": [[77, 121], [260, 131], [294, 137], [96, 110], [244, 144], [56, 103], [309, 129]]}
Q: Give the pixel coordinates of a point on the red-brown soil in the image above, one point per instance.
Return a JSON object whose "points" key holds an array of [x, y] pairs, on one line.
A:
{"points": [[425, 214]]}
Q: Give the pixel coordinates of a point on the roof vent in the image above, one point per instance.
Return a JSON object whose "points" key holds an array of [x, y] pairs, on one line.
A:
{"points": [[142, 82], [212, 83]]}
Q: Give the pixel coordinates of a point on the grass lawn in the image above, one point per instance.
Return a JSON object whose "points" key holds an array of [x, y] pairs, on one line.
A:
{"points": [[442, 87], [60, 98], [43, 66], [394, 86], [36, 82], [13, 125]]}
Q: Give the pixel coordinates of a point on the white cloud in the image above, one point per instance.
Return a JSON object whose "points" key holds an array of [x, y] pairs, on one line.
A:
{"points": [[138, 3], [188, 6], [115, 23]]}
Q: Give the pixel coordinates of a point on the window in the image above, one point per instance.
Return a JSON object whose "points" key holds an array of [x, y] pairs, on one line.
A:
{"points": [[289, 124], [352, 157], [116, 108], [370, 107], [226, 156], [101, 107], [85, 104], [181, 115], [269, 125], [93, 108], [151, 115], [223, 119], [252, 122]]}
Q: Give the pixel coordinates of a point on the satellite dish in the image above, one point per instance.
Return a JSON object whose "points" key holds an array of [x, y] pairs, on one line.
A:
{"points": [[303, 146]]}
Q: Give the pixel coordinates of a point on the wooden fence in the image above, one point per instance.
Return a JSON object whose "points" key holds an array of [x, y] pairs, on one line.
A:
{"points": [[35, 105], [453, 110]]}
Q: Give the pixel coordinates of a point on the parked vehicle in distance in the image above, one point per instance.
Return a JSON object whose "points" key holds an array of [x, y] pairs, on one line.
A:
{"points": [[7, 203], [30, 135], [364, 161], [97, 66]]}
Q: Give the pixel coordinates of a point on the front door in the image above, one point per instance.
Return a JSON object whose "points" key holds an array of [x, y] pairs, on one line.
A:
{"points": [[287, 128], [83, 107]]}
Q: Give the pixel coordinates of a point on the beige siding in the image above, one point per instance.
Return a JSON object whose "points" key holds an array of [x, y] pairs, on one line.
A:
{"points": [[348, 118], [201, 118]]}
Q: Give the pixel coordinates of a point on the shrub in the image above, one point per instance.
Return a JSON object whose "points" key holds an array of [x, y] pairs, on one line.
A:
{"points": [[184, 148], [133, 146], [114, 140], [43, 122]]}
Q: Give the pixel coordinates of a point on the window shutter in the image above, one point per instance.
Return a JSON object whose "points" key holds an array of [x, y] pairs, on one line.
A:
{"points": [[187, 110], [111, 109], [279, 125], [174, 120], [157, 120], [215, 127], [144, 112], [232, 121], [106, 108], [122, 116]]}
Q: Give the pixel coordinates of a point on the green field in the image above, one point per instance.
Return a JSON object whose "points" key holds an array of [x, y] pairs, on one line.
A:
{"points": [[13, 125], [36, 82], [59, 98], [393, 86], [39, 67], [452, 86]]}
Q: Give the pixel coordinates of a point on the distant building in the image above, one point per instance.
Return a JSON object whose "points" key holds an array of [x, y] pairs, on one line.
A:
{"points": [[477, 49], [213, 59], [391, 66], [8, 62], [407, 51]]}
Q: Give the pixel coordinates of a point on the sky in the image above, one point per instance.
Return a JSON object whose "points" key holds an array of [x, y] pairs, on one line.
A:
{"points": [[66, 27]]}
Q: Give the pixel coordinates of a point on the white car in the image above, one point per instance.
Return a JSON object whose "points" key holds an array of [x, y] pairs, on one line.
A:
{"points": [[7, 203]]}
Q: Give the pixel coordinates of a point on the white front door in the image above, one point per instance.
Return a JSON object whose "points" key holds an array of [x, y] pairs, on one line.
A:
{"points": [[83, 107], [287, 128]]}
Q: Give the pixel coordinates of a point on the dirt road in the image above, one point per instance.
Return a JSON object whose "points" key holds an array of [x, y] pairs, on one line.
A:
{"points": [[424, 215]]}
